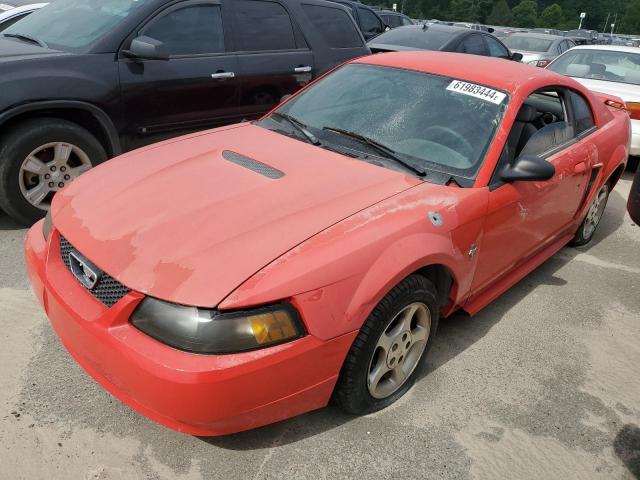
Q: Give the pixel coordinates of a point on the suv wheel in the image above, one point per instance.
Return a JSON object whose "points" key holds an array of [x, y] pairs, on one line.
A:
{"points": [[37, 159]]}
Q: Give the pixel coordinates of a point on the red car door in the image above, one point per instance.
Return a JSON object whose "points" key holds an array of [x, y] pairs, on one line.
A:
{"points": [[525, 217]]}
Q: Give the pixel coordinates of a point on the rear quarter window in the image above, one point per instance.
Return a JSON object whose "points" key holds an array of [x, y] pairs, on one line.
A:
{"points": [[335, 25], [582, 113]]}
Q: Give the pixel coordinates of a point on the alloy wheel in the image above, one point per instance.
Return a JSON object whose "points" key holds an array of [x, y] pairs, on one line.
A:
{"points": [[594, 215], [398, 350], [49, 168]]}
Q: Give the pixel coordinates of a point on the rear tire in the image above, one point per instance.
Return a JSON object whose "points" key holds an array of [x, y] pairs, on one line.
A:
{"points": [[33, 165], [590, 224], [385, 357]]}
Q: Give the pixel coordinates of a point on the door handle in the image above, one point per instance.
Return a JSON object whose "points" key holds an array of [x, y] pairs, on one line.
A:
{"points": [[580, 167], [222, 75], [305, 69]]}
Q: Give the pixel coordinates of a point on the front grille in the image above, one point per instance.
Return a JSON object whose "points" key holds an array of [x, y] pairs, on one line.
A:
{"points": [[108, 290]]}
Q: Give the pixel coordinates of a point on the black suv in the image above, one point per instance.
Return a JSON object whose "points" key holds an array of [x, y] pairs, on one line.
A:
{"points": [[85, 80]]}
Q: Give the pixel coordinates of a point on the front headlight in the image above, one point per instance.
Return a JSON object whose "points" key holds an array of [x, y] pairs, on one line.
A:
{"points": [[46, 225], [210, 331]]}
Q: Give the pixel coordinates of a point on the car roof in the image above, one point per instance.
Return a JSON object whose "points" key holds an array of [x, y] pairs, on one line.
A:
{"points": [[419, 37], [609, 48], [541, 36], [498, 73]]}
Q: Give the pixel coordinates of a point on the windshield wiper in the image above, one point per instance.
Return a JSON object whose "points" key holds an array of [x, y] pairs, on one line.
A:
{"points": [[28, 38], [301, 127], [380, 148]]}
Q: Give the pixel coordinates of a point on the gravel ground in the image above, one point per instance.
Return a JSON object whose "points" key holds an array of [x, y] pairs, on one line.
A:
{"points": [[542, 384]]}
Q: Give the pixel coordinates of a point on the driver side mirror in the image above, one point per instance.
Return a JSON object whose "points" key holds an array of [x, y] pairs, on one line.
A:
{"points": [[516, 57], [147, 48], [527, 168], [387, 28]]}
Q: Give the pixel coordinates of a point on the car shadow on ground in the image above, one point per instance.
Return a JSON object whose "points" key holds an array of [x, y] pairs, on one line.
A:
{"points": [[627, 448]]}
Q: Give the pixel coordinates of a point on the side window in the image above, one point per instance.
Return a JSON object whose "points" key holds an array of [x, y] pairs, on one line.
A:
{"points": [[406, 21], [394, 21], [496, 49], [539, 127], [263, 25], [583, 116], [473, 44], [192, 30], [369, 21], [335, 25]]}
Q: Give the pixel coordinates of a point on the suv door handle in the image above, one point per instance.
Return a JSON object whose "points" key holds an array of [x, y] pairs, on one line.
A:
{"points": [[222, 75], [304, 69]]}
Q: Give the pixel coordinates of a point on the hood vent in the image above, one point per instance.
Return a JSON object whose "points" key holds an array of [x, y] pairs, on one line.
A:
{"points": [[251, 164]]}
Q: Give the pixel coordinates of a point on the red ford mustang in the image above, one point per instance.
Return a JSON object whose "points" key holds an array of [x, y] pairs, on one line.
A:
{"points": [[237, 277]]}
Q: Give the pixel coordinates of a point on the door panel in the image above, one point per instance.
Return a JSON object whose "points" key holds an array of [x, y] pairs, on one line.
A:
{"points": [[273, 60], [196, 88], [266, 77], [524, 217]]}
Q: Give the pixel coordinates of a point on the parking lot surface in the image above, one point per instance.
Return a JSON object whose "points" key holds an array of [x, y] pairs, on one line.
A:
{"points": [[542, 384]]}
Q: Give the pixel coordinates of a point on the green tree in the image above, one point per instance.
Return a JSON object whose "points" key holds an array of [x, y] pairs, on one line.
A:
{"points": [[500, 14], [465, 10], [551, 17], [525, 14], [632, 17]]}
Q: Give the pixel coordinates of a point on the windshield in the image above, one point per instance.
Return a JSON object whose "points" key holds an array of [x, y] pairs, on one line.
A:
{"points": [[529, 44], [74, 24], [621, 67], [436, 122]]}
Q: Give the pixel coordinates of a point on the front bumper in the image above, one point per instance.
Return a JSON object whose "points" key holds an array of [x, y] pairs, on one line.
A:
{"points": [[195, 394]]}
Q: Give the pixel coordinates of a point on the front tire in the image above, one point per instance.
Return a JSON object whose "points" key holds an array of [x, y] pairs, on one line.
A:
{"points": [[39, 157], [392, 344], [590, 224]]}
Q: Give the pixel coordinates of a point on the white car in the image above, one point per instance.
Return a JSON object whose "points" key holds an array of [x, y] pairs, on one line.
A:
{"points": [[608, 69], [10, 14]]}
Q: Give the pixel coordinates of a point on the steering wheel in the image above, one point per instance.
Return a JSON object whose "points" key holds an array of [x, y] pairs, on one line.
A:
{"points": [[460, 144]]}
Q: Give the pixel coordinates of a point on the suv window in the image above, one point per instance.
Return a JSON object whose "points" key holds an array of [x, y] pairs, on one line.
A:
{"points": [[335, 25], [192, 30], [473, 44], [369, 22], [581, 112], [263, 25], [496, 49]]}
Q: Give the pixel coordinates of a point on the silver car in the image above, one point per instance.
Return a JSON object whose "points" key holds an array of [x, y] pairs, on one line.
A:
{"points": [[538, 49]]}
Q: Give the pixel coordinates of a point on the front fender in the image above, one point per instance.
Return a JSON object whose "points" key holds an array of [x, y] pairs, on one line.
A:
{"points": [[337, 277]]}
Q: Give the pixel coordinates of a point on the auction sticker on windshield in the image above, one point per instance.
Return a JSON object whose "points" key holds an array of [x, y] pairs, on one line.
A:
{"points": [[477, 91]]}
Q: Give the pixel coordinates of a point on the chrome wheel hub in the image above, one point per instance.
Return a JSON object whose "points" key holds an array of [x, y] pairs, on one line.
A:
{"points": [[594, 215], [49, 168], [398, 350]]}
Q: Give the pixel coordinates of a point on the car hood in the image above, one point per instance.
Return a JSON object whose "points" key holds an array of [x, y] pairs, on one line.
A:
{"points": [[628, 92], [188, 222], [13, 49]]}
